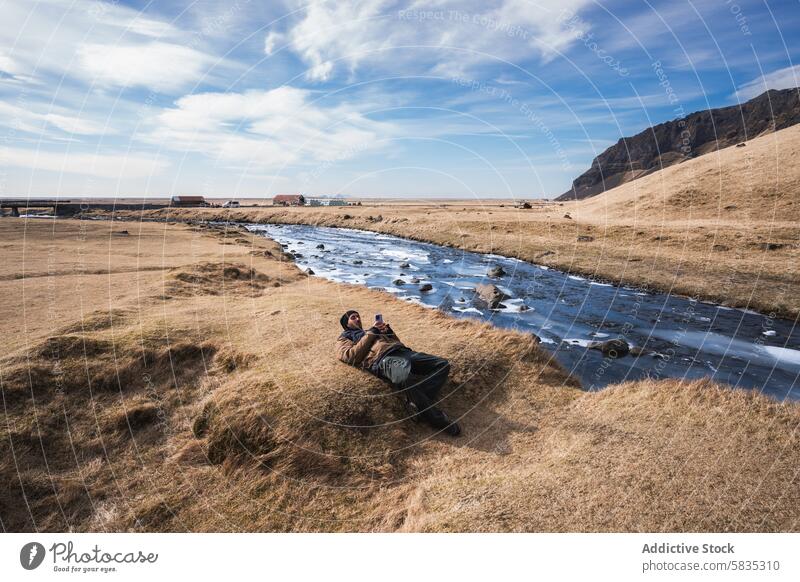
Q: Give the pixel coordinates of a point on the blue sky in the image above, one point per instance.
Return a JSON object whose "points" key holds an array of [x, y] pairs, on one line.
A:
{"points": [[504, 99]]}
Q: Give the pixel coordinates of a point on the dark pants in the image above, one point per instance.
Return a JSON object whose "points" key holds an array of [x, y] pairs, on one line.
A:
{"points": [[418, 376]]}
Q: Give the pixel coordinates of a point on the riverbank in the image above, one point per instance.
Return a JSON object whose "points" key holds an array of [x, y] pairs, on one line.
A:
{"points": [[157, 378], [720, 228], [665, 257]]}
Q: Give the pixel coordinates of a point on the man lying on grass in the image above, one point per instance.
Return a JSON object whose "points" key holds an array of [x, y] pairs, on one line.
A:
{"points": [[417, 376]]}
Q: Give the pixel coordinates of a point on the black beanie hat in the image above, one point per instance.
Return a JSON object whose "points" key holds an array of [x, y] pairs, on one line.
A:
{"points": [[343, 319]]}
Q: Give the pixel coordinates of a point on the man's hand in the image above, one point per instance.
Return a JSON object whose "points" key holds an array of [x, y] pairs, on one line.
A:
{"points": [[382, 326]]}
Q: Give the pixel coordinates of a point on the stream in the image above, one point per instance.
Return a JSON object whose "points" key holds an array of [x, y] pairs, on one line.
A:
{"points": [[671, 336]]}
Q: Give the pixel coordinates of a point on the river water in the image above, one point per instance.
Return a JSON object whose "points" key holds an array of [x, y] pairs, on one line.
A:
{"points": [[678, 337]]}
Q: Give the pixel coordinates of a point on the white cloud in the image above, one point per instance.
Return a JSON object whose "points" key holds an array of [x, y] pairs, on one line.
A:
{"points": [[70, 124], [103, 42], [26, 119], [123, 18], [265, 128], [787, 78], [273, 38], [7, 64], [99, 165], [156, 65], [348, 33], [332, 30]]}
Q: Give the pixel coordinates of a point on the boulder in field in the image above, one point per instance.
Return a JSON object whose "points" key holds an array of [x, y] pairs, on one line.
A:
{"points": [[771, 246], [404, 265], [320, 246], [497, 271], [399, 282], [426, 287]]}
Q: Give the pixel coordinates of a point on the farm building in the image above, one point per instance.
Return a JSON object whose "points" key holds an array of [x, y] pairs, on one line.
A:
{"points": [[189, 201], [289, 200], [326, 202]]}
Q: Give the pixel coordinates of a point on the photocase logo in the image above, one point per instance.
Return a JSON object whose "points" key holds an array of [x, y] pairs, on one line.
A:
{"points": [[31, 555]]}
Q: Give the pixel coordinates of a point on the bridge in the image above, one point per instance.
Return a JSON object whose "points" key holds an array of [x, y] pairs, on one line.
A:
{"points": [[66, 207], [15, 205]]}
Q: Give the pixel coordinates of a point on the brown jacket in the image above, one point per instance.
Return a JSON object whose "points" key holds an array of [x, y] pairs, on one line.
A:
{"points": [[367, 350]]}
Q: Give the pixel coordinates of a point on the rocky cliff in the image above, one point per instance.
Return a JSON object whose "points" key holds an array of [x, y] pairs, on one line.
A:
{"points": [[686, 138]]}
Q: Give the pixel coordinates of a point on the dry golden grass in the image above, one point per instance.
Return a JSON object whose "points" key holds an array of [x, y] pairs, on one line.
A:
{"points": [[205, 396], [722, 227], [645, 456]]}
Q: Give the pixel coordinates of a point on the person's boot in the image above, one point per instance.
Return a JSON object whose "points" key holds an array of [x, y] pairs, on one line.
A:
{"points": [[440, 421], [412, 410]]}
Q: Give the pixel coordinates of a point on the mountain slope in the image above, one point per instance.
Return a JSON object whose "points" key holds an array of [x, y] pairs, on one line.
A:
{"points": [[683, 139], [755, 184]]}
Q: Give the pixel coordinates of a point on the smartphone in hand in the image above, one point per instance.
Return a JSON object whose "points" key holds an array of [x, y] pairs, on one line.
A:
{"points": [[379, 323]]}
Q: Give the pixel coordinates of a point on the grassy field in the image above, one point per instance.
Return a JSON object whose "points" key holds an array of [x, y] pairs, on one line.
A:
{"points": [[722, 227], [183, 378]]}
